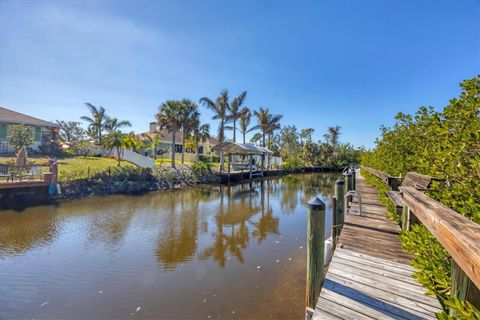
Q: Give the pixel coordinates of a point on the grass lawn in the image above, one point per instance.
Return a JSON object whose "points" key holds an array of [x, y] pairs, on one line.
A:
{"points": [[164, 161], [73, 168]]}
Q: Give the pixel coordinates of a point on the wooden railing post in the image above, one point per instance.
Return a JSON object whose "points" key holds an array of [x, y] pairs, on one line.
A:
{"points": [[348, 187], [408, 218], [339, 195], [463, 288], [335, 226], [354, 179], [405, 218], [315, 250]]}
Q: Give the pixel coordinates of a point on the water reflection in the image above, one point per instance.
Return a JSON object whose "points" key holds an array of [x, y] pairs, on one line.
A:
{"points": [[20, 232], [210, 235]]}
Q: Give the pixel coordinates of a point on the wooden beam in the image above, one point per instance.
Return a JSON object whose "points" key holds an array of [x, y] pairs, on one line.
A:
{"points": [[457, 234]]}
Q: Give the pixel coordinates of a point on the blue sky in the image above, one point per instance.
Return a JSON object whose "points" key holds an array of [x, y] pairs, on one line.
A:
{"points": [[319, 63]]}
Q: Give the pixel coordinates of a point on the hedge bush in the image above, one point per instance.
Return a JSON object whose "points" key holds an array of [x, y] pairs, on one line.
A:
{"points": [[444, 144]]}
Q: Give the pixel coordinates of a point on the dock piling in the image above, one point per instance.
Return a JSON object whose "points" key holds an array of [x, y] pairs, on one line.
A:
{"points": [[339, 196], [315, 250]]}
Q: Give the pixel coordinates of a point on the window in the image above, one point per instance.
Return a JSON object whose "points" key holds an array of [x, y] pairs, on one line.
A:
{"points": [[3, 130], [38, 134], [178, 148], [200, 150]]}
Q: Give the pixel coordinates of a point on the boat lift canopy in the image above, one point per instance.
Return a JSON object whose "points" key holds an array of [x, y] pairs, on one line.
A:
{"points": [[240, 148]]}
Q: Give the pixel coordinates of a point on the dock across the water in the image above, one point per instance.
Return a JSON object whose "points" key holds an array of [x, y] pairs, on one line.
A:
{"points": [[369, 275]]}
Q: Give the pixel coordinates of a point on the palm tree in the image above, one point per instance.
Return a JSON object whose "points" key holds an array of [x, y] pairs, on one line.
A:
{"points": [[332, 135], [113, 124], [267, 123], [153, 141], [256, 138], [115, 140], [167, 117], [200, 133], [306, 134], [219, 108], [235, 112], [245, 122], [96, 123], [189, 115]]}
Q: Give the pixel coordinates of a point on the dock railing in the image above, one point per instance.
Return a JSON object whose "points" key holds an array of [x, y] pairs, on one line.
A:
{"points": [[459, 236], [32, 175]]}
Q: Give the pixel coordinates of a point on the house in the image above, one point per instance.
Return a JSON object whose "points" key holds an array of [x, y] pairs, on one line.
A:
{"points": [[45, 134], [165, 142]]}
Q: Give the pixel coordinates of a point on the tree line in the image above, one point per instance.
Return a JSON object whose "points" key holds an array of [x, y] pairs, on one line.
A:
{"points": [[296, 147]]}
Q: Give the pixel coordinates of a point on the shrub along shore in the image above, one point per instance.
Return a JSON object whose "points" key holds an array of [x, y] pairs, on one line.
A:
{"points": [[443, 144]]}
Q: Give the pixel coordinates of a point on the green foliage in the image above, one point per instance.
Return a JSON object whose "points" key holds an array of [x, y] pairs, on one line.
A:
{"points": [[463, 309], [209, 158], [293, 162], [20, 135], [201, 168], [116, 141], [70, 131], [443, 144], [434, 273], [305, 152]]}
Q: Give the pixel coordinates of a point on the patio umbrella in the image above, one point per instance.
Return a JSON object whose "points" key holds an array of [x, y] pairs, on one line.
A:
{"points": [[22, 159]]}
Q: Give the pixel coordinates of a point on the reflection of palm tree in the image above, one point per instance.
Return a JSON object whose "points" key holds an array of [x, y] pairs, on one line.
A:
{"points": [[267, 222], [233, 216], [178, 243]]}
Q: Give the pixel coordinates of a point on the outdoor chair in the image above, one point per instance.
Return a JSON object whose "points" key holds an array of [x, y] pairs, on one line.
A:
{"points": [[5, 173]]}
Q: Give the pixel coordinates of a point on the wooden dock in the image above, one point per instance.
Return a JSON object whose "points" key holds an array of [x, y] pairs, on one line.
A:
{"points": [[369, 276]]}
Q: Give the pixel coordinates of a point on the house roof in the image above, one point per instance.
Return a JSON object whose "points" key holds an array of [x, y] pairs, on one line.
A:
{"points": [[10, 116], [167, 136]]}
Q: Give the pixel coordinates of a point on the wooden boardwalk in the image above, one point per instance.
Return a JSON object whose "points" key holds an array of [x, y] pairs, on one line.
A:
{"points": [[370, 277]]}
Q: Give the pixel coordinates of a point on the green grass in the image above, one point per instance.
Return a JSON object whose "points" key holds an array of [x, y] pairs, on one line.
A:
{"points": [[165, 161], [75, 168]]}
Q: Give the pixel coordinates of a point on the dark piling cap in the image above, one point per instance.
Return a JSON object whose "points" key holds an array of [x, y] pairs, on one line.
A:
{"points": [[316, 204], [339, 181]]}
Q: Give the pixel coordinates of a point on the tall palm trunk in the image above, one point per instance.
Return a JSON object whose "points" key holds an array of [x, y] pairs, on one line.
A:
{"points": [[197, 153], [234, 129], [183, 146], [221, 138], [174, 132], [263, 155]]}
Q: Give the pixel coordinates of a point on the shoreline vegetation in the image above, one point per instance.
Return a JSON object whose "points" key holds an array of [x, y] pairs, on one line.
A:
{"points": [[81, 173], [83, 177], [443, 144]]}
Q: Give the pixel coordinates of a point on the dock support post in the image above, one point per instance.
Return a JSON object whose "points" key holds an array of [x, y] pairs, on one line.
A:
{"points": [[229, 161], [408, 218], [251, 165], [463, 288], [335, 225], [348, 187], [315, 250], [339, 195]]}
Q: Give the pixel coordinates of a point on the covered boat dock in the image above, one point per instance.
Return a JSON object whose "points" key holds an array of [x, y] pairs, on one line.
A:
{"points": [[245, 149]]}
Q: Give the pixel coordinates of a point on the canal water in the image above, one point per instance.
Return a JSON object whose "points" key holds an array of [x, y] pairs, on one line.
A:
{"points": [[210, 252]]}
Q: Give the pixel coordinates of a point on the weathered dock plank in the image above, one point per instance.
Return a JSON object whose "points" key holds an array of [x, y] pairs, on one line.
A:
{"points": [[370, 276]]}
